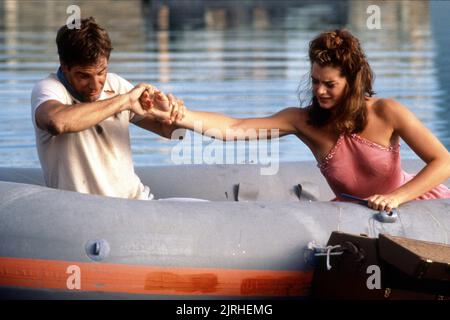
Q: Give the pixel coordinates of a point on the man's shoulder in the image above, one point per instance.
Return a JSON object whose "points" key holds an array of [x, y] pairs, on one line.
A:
{"points": [[50, 80], [49, 86]]}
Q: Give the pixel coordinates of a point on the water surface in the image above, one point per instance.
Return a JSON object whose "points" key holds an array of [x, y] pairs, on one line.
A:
{"points": [[241, 59]]}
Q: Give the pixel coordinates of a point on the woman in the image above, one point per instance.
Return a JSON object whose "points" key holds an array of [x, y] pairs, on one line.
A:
{"points": [[353, 135]]}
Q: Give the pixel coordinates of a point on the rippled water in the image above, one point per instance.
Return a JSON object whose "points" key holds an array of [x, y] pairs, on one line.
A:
{"points": [[243, 61]]}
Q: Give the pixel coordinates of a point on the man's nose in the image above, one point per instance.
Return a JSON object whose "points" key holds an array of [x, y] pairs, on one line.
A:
{"points": [[95, 84]]}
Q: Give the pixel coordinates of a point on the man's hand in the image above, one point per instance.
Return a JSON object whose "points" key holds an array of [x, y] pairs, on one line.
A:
{"points": [[145, 99], [140, 101]]}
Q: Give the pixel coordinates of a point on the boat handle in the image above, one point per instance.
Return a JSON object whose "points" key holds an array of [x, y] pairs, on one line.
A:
{"points": [[97, 250], [382, 216], [387, 217]]}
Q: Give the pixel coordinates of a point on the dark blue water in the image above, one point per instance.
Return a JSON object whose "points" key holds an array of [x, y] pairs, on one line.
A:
{"points": [[240, 59]]}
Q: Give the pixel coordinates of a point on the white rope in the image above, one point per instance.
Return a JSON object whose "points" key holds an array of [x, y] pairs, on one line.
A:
{"points": [[325, 251]]}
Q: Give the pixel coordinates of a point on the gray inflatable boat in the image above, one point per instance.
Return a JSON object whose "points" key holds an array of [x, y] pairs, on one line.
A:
{"points": [[248, 241]]}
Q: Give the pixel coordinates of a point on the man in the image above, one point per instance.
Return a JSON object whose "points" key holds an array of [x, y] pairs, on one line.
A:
{"points": [[81, 116]]}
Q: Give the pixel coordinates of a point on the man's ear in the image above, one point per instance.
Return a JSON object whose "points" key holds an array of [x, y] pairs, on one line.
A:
{"points": [[64, 67]]}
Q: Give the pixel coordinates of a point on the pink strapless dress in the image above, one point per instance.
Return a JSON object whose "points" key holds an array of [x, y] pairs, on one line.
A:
{"points": [[362, 168]]}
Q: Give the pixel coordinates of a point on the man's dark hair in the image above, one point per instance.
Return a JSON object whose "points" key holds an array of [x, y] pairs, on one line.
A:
{"points": [[83, 46]]}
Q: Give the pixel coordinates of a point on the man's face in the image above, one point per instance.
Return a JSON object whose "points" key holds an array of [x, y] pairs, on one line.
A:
{"points": [[88, 80]]}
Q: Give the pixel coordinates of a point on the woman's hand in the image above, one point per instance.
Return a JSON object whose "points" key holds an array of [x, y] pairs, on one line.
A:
{"points": [[168, 108], [384, 202], [178, 108]]}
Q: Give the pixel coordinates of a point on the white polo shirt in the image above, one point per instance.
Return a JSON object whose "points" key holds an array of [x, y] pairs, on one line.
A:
{"points": [[96, 160]]}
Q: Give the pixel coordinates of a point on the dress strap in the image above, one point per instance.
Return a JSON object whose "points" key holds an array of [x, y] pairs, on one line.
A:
{"points": [[331, 153]]}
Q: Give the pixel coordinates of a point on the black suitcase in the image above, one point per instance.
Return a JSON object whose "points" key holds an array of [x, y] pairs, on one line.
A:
{"points": [[414, 265], [382, 268]]}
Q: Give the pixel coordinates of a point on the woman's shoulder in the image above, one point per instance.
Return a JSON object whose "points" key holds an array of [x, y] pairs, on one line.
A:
{"points": [[294, 110], [386, 107], [385, 104], [301, 115], [293, 113], [297, 117], [303, 112]]}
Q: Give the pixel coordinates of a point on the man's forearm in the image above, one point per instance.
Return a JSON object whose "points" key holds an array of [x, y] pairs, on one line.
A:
{"points": [[79, 117]]}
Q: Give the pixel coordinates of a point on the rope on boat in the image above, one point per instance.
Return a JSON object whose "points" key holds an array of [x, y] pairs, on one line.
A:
{"points": [[319, 250], [325, 251]]}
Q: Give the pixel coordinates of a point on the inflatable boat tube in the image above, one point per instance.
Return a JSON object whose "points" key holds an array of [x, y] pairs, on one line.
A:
{"points": [[249, 241]]}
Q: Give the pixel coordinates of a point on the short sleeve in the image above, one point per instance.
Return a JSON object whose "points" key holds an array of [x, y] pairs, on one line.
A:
{"points": [[45, 90]]}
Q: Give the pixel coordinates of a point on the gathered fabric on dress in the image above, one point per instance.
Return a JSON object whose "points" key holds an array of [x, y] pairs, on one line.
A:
{"points": [[360, 167]]}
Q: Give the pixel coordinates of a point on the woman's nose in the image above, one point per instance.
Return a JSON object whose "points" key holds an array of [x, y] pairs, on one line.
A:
{"points": [[320, 90]]}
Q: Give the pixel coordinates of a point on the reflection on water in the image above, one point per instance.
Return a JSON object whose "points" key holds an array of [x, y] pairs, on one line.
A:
{"points": [[244, 59], [440, 26]]}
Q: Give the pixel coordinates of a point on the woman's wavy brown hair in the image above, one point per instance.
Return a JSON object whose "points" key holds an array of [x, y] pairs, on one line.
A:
{"points": [[340, 49]]}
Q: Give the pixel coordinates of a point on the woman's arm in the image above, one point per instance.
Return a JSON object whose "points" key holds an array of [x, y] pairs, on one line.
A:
{"points": [[228, 128], [224, 127], [425, 145]]}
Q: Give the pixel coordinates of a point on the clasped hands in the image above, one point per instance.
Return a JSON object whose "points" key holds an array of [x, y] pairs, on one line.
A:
{"points": [[148, 100]]}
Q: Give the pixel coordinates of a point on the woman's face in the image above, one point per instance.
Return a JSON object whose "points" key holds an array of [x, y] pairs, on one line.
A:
{"points": [[328, 85]]}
